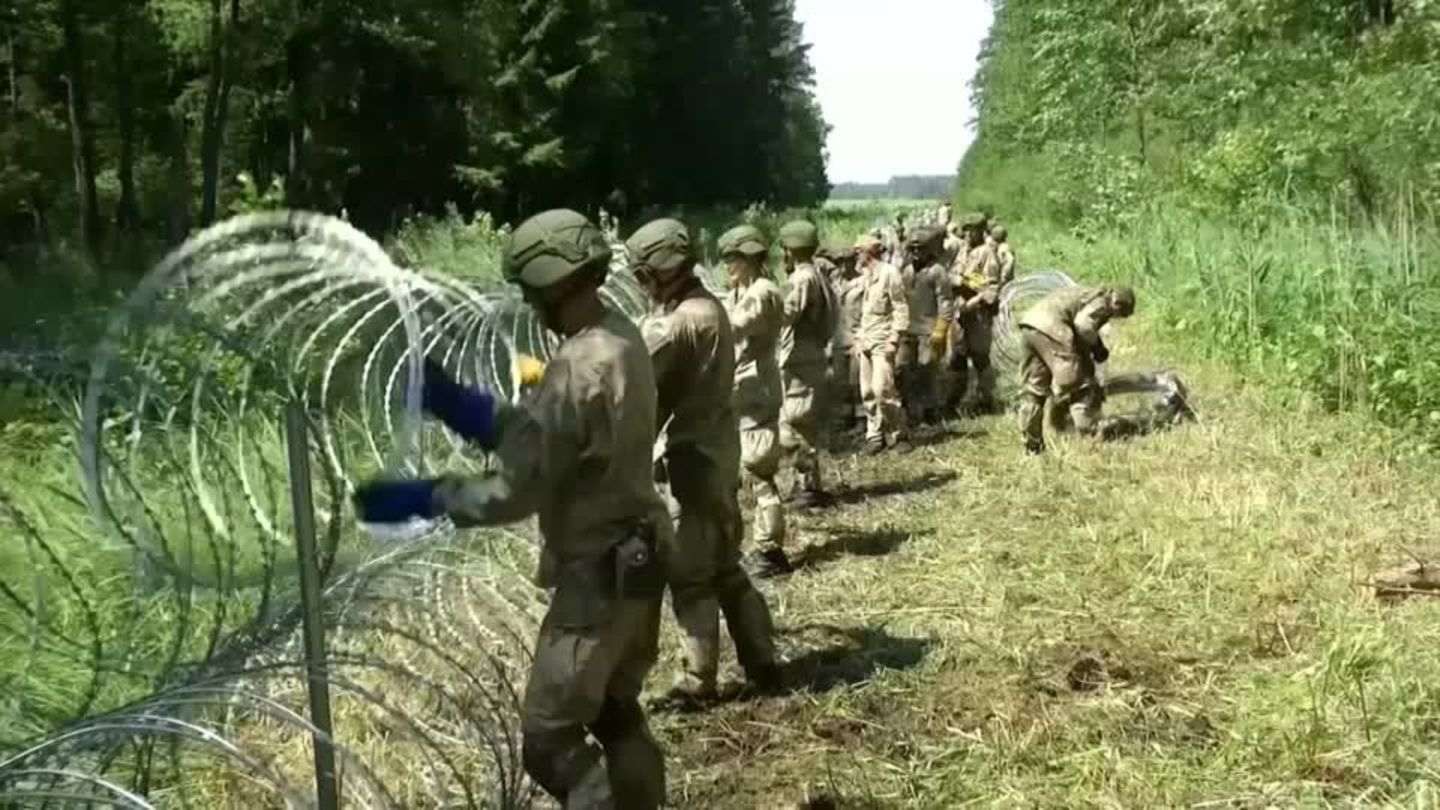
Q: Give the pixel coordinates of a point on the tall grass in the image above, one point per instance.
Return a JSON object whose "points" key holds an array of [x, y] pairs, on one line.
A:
{"points": [[1318, 309]]}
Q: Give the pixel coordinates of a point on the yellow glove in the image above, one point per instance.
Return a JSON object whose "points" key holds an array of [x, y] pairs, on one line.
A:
{"points": [[975, 280], [938, 336], [530, 369]]}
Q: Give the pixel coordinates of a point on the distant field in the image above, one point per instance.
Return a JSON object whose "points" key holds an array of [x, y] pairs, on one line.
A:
{"points": [[880, 203]]}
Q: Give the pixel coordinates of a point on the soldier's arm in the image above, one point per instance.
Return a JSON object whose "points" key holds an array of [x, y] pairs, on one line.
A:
{"points": [[899, 307], [537, 441], [745, 316], [1088, 322], [944, 295], [797, 298]]}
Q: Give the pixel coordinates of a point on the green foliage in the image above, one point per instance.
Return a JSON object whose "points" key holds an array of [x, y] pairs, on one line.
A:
{"points": [[390, 110], [1227, 107]]}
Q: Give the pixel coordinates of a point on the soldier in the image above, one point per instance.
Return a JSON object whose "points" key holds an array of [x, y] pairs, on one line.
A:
{"points": [[578, 454], [1062, 345], [922, 349], [757, 311], [693, 351], [1001, 239], [844, 366], [804, 342], [978, 282], [884, 318]]}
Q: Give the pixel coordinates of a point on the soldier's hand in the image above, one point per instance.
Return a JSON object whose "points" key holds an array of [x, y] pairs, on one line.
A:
{"points": [[1100, 353], [530, 370]]}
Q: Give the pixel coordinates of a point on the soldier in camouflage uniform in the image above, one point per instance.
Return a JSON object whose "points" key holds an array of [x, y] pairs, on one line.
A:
{"points": [[692, 349], [1062, 346], [884, 319], [1000, 238], [757, 310], [810, 315], [978, 280], [922, 350], [578, 455], [844, 366]]}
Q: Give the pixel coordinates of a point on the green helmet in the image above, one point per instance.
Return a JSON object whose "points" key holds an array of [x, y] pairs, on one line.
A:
{"points": [[925, 236], [552, 246], [975, 220], [1122, 300], [742, 239], [799, 235], [662, 245]]}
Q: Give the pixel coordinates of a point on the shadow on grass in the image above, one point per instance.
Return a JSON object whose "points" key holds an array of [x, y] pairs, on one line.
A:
{"points": [[855, 494], [854, 543], [852, 655]]}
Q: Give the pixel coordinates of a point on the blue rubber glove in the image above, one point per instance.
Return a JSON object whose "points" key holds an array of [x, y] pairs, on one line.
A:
{"points": [[395, 501], [469, 412]]}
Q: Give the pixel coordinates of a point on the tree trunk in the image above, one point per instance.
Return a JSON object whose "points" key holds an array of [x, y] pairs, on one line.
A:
{"points": [[217, 107], [297, 65], [127, 213], [82, 136], [178, 176]]}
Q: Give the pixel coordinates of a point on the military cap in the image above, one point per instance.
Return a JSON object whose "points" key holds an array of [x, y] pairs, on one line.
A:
{"points": [[551, 246], [1122, 300], [663, 244], [799, 234], [925, 235], [743, 239]]}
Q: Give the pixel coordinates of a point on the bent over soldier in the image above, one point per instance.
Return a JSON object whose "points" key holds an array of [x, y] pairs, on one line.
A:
{"points": [[757, 310], [1062, 345], [693, 351], [578, 454]]}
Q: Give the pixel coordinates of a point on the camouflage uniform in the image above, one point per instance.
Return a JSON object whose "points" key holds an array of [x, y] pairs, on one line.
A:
{"points": [[578, 455], [977, 277], [1061, 338], [809, 323], [922, 347], [884, 318], [757, 311], [692, 349]]}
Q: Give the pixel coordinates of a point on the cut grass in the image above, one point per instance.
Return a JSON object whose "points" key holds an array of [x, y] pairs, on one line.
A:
{"points": [[1173, 621]]}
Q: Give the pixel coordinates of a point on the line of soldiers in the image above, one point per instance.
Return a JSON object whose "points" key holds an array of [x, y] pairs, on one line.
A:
{"points": [[726, 386], [919, 310]]}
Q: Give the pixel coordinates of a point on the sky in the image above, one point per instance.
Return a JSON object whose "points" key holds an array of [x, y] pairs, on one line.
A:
{"points": [[878, 64]]}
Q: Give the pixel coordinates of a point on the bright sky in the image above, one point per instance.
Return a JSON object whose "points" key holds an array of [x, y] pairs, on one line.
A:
{"points": [[893, 77]]}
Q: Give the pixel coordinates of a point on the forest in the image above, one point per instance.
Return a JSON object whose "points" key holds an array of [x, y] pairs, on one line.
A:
{"points": [[131, 122]]}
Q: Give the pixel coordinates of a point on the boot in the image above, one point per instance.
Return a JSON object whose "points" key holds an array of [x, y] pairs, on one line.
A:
{"points": [[769, 563], [873, 448], [592, 792], [637, 771]]}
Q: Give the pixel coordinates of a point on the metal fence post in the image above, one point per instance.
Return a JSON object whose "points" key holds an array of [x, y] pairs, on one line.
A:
{"points": [[297, 440]]}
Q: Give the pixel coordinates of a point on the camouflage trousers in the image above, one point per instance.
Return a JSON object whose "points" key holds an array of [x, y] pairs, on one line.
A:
{"points": [[760, 460], [884, 418], [971, 338], [586, 679], [705, 575], [802, 422], [918, 377], [1063, 376]]}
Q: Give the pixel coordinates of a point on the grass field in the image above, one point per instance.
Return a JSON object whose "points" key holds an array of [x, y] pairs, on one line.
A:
{"points": [[1181, 620], [1178, 621]]}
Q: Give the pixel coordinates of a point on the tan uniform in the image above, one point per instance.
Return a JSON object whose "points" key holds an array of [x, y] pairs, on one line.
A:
{"points": [[918, 365], [1007, 261], [974, 331], [884, 317], [844, 352], [578, 455], [756, 314], [693, 351], [1059, 335], [809, 324]]}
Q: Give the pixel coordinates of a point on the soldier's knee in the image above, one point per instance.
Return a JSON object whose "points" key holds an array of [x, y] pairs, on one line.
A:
{"points": [[619, 718], [558, 759]]}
